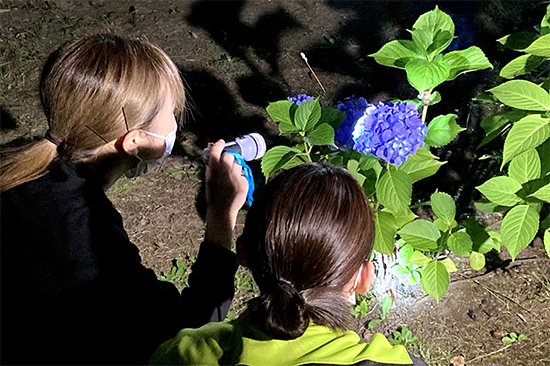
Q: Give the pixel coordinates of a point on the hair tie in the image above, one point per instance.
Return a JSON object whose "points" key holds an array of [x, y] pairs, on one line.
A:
{"points": [[53, 138]]}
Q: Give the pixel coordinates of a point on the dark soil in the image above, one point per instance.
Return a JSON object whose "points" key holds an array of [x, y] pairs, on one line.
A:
{"points": [[236, 57]]}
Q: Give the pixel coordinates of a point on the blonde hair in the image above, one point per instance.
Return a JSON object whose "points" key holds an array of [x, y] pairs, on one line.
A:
{"points": [[86, 87]]}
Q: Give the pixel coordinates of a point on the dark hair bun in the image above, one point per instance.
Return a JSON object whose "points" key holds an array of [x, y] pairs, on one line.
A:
{"points": [[282, 310]]}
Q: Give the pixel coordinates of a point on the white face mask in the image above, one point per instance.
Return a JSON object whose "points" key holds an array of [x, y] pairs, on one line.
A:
{"points": [[351, 298], [145, 166]]}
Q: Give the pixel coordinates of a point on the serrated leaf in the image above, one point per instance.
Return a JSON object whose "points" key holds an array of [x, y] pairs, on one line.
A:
{"points": [[396, 53], [421, 234], [323, 134], [435, 279], [542, 193], [545, 24], [282, 112], [405, 253], [394, 190], [518, 228], [443, 205], [426, 75], [421, 165], [280, 157], [422, 39], [442, 224], [441, 41], [307, 115], [477, 261], [501, 190], [419, 258], [522, 94], [525, 166], [497, 123], [470, 59], [544, 155], [442, 130], [540, 46], [434, 21], [332, 116], [403, 217], [520, 65], [460, 243], [483, 241], [385, 229], [518, 41], [525, 134], [449, 264]]}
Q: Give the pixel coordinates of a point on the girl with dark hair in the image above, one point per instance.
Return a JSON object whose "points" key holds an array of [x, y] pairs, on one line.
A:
{"points": [[74, 290], [307, 240]]}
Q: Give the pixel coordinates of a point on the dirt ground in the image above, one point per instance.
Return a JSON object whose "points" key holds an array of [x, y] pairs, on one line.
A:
{"points": [[236, 57]]}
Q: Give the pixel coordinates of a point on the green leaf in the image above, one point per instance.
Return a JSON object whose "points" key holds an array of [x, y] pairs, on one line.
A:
{"points": [[442, 224], [426, 75], [518, 41], [323, 134], [501, 190], [540, 47], [421, 234], [525, 134], [332, 116], [522, 94], [518, 228], [441, 41], [280, 157], [525, 166], [282, 112], [449, 264], [545, 24], [419, 258], [493, 126], [422, 39], [421, 165], [385, 229], [542, 193], [405, 253], [483, 240], [435, 279], [403, 217], [394, 190], [307, 115], [396, 53], [544, 155], [477, 261], [442, 130], [520, 65], [460, 243], [435, 21], [470, 59], [385, 305], [547, 241], [443, 205]]}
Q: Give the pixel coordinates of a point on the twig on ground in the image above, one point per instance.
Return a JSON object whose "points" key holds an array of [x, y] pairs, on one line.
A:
{"points": [[504, 296], [488, 354]]}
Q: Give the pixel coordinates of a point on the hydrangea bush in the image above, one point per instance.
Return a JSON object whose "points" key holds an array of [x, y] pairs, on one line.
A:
{"points": [[386, 147]]}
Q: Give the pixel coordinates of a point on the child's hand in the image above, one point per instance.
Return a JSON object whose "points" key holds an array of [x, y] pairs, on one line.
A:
{"points": [[226, 189]]}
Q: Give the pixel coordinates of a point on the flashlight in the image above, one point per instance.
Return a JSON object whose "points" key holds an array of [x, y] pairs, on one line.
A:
{"points": [[250, 147]]}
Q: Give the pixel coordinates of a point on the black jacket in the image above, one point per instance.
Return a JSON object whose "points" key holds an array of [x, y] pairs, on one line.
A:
{"points": [[73, 289]]}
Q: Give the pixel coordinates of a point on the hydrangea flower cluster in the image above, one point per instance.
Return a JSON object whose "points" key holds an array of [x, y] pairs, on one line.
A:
{"points": [[354, 108], [391, 131], [300, 98]]}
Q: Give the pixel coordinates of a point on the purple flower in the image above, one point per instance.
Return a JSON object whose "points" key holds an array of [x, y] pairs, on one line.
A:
{"points": [[300, 98], [391, 131], [354, 108]]}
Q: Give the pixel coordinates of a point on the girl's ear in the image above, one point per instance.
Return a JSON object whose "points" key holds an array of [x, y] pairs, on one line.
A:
{"points": [[366, 278], [129, 142]]}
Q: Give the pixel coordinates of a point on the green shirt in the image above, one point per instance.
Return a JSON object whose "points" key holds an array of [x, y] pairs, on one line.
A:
{"points": [[239, 342]]}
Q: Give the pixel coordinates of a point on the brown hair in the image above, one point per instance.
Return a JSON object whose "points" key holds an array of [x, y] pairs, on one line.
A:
{"points": [[84, 87], [304, 239]]}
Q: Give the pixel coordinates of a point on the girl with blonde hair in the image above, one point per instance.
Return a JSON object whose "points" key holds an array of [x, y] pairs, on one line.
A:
{"points": [[72, 283]]}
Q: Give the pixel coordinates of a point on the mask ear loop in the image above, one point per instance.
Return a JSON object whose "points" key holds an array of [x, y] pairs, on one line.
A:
{"points": [[351, 297]]}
